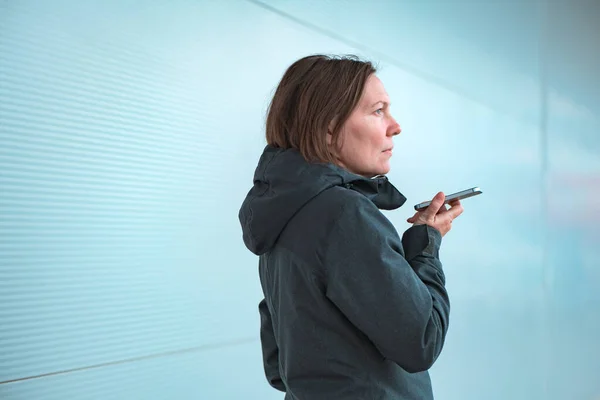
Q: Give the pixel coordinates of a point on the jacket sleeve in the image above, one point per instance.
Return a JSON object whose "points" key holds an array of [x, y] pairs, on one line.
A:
{"points": [[392, 290], [270, 350]]}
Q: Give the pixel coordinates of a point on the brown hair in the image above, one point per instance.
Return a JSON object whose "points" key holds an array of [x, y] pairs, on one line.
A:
{"points": [[313, 92]]}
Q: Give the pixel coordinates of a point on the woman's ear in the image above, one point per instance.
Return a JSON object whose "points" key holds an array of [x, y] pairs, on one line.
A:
{"points": [[330, 129]]}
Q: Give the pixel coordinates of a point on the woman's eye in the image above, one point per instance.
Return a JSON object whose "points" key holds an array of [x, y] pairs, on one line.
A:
{"points": [[379, 111]]}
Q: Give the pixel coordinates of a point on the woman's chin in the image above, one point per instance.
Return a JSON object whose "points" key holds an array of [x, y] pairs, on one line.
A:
{"points": [[384, 169]]}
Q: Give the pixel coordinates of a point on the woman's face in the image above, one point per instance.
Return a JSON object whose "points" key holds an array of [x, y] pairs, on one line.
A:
{"points": [[366, 137]]}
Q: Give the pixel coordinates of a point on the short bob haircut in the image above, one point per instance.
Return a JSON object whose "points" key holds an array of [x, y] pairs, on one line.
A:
{"points": [[316, 95]]}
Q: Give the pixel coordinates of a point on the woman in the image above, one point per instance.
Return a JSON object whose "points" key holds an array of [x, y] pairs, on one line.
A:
{"points": [[351, 311]]}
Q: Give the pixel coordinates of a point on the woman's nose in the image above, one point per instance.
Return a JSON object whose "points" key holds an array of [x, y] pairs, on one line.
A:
{"points": [[395, 129]]}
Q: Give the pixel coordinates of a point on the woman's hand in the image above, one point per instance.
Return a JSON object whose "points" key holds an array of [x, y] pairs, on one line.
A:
{"points": [[437, 215]]}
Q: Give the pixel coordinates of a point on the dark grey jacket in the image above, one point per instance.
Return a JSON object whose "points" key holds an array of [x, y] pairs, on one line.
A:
{"points": [[350, 310]]}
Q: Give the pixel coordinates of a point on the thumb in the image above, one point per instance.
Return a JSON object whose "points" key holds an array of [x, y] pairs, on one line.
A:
{"points": [[412, 219], [436, 203]]}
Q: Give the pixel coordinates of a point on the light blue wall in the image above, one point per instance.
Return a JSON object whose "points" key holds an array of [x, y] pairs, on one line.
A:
{"points": [[129, 131]]}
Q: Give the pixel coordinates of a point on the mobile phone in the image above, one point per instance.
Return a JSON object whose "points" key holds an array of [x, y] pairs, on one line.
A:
{"points": [[454, 196]]}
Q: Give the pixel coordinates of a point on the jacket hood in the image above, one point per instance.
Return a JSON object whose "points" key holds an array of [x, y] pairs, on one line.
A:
{"points": [[284, 182]]}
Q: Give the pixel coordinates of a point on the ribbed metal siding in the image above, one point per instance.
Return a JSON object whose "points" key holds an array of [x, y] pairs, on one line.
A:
{"points": [[112, 243]]}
